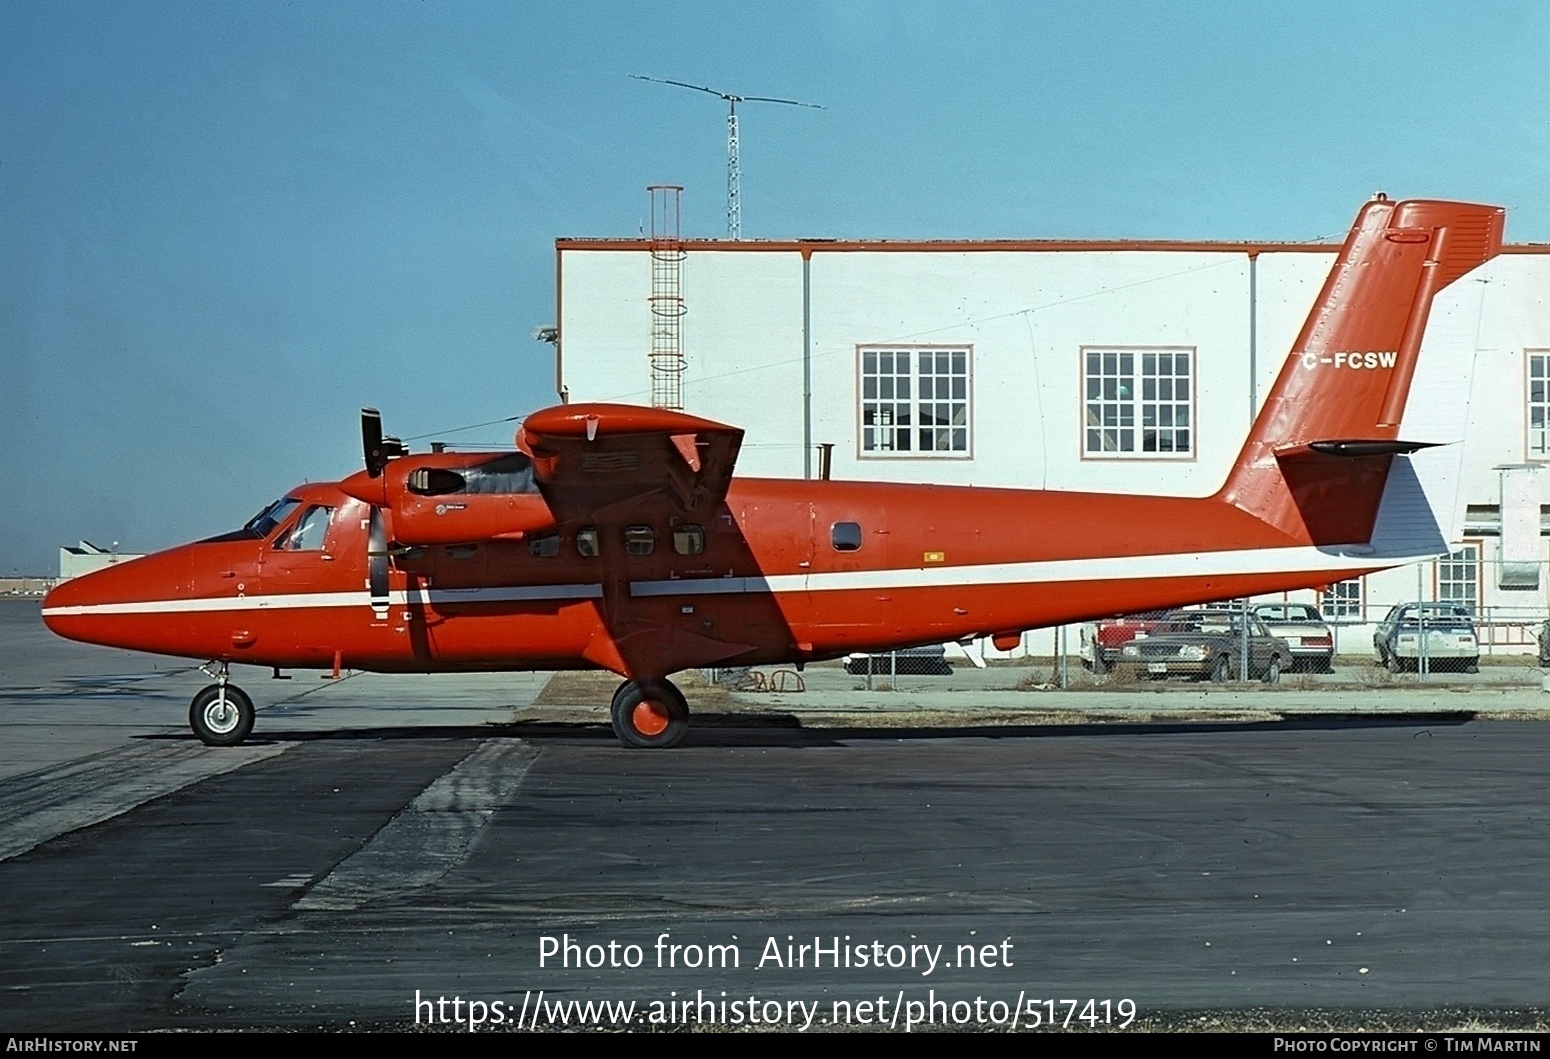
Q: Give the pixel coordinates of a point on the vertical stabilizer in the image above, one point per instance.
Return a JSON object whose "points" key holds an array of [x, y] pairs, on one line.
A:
{"points": [[1319, 454]]}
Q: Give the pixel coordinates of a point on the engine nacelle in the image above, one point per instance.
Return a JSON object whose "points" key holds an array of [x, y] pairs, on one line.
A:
{"points": [[456, 498]]}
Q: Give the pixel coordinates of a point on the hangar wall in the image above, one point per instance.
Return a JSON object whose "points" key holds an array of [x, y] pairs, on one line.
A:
{"points": [[1059, 343]]}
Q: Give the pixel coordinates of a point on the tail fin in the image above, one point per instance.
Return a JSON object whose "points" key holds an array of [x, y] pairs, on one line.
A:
{"points": [[1319, 453]]}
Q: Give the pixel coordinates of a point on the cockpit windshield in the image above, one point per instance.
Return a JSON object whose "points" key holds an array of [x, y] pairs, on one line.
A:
{"points": [[263, 524], [260, 525]]}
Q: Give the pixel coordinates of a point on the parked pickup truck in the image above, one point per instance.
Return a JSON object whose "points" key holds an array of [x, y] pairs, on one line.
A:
{"points": [[1102, 641]]}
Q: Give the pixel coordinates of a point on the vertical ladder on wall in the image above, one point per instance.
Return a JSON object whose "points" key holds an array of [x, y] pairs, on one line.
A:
{"points": [[667, 302]]}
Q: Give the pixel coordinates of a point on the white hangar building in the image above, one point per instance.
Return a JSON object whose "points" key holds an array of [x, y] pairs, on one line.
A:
{"points": [[1094, 365]]}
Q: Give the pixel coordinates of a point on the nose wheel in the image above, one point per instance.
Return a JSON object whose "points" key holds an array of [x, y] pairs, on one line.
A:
{"points": [[650, 714], [221, 714]]}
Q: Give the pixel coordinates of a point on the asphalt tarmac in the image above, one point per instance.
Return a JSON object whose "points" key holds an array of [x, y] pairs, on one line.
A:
{"points": [[389, 851]]}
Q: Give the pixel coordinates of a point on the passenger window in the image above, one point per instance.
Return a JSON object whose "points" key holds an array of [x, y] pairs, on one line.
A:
{"points": [[639, 540], [586, 541], [307, 534], [845, 536], [545, 547], [688, 539]]}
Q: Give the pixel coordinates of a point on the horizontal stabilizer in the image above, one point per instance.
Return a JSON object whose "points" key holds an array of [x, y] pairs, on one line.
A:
{"points": [[1336, 487], [1352, 447]]}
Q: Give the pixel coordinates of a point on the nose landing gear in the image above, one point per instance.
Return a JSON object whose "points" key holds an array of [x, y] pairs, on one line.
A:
{"points": [[221, 714]]}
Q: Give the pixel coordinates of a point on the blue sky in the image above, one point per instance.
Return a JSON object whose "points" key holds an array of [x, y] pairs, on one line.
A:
{"points": [[228, 226]]}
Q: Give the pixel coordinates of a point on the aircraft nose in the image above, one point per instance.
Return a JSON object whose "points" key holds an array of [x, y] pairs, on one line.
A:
{"points": [[70, 607], [62, 601], [109, 606]]}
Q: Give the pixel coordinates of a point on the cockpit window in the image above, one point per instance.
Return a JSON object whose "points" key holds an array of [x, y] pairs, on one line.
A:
{"points": [[262, 524], [307, 534]]}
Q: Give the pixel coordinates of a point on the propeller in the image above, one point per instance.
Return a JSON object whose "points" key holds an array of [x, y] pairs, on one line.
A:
{"points": [[377, 563], [378, 449]]}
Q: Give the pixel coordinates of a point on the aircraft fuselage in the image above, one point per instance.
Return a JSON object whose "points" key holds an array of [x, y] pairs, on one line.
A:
{"points": [[785, 571]]}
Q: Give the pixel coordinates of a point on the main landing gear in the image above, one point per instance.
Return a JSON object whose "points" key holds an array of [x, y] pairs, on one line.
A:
{"points": [[221, 714], [650, 714]]}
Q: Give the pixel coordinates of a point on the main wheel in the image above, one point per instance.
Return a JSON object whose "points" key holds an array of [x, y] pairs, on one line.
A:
{"points": [[650, 714], [221, 715]]}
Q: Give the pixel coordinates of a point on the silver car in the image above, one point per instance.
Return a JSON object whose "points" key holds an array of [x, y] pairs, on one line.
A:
{"points": [[1443, 632]]}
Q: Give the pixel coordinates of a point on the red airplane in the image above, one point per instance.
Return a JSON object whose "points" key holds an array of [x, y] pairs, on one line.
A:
{"points": [[617, 537]]}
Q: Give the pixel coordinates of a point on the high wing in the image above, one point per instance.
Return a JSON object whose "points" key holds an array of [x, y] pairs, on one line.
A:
{"points": [[612, 463], [598, 464]]}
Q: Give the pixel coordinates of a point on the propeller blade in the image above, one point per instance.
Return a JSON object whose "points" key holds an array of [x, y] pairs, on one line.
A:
{"points": [[377, 563], [371, 441], [378, 449]]}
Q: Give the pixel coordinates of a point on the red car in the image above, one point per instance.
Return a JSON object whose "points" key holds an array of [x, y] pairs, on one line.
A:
{"points": [[1103, 641]]}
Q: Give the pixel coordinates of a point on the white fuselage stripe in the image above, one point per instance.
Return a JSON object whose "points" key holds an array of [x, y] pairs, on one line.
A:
{"points": [[1116, 568], [310, 600]]}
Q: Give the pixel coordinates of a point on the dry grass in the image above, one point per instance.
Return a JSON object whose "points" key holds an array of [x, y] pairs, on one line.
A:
{"points": [[1373, 676], [1033, 680]]}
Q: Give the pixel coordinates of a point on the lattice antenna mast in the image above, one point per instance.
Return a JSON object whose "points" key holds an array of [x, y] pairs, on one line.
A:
{"points": [[734, 171]]}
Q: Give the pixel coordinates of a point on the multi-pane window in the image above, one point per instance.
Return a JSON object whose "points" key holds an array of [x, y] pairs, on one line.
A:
{"points": [[307, 534], [1342, 601], [1138, 401], [1538, 404], [915, 400], [1458, 577]]}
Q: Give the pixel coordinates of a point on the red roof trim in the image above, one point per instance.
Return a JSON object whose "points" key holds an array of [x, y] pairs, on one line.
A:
{"points": [[969, 246]]}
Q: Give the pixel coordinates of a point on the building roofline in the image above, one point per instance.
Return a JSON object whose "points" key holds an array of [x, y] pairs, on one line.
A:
{"points": [[843, 246]]}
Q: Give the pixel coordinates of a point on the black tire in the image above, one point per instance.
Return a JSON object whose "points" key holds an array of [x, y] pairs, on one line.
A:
{"points": [[1221, 671], [650, 715], [221, 716], [1272, 674], [1099, 666]]}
